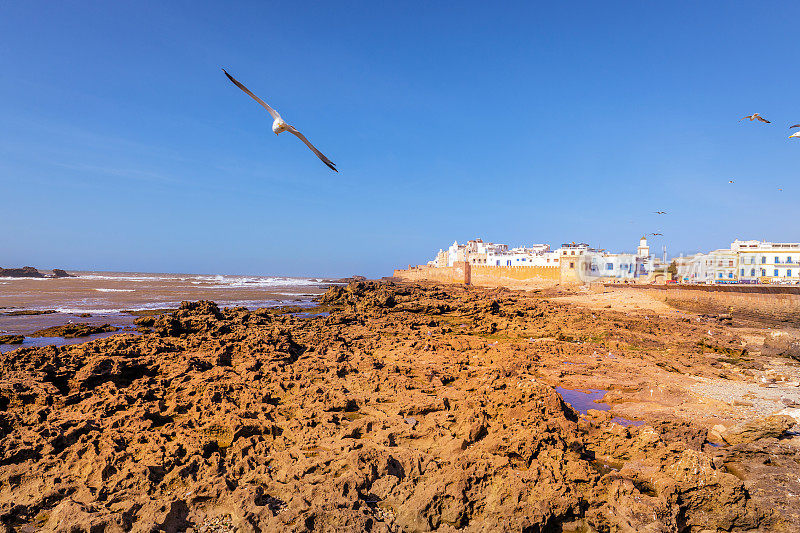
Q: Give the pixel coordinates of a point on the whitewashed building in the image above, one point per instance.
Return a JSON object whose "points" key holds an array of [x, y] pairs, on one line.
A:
{"points": [[744, 262], [768, 262]]}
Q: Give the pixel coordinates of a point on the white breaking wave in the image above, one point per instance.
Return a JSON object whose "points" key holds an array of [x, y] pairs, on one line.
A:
{"points": [[116, 290], [216, 281], [114, 311], [228, 282], [130, 278]]}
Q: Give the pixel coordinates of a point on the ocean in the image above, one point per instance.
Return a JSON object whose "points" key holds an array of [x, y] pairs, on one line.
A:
{"points": [[107, 295]]}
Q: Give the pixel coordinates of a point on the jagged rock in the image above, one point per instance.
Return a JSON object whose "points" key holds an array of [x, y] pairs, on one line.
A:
{"points": [[12, 339], [752, 430], [393, 413], [58, 273], [69, 331]]}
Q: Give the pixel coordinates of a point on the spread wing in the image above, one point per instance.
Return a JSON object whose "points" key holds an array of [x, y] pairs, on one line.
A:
{"points": [[741, 119], [795, 126], [762, 119], [322, 157], [272, 112]]}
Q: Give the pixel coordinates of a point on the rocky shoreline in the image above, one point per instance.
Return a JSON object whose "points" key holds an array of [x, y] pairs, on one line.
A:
{"points": [[398, 408]]}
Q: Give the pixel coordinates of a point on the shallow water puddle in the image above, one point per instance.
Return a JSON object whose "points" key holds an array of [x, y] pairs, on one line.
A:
{"points": [[38, 342], [584, 399], [310, 315]]}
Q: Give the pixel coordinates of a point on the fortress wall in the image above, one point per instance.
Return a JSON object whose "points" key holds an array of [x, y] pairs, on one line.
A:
{"points": [[457, 273], [514, 276], [484, 276], [778, 304]]}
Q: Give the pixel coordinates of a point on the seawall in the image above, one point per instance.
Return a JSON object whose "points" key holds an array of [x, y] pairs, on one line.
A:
{"points": [[772, 303]]}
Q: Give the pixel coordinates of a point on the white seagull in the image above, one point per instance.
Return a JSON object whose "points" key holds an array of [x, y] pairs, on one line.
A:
{"points": [[795, 134], [755, 116], [279, 125]]}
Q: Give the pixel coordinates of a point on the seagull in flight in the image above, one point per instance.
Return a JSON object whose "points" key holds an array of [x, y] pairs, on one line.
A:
{"points": [[755, 116], [661, 212], [795, 134], [279, 125], [656, 234], [730, 181]]}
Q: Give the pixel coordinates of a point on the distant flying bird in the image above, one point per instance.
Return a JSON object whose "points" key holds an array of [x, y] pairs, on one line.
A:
{"points": [[661, 212], [730, 181], [656, 234], [279, 126], [780, 190], [755, 116]]}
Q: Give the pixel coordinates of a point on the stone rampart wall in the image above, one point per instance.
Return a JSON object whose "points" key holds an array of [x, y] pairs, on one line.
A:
{"points": [[484, 276], [454, 274], [774, 303], [514, 276]]}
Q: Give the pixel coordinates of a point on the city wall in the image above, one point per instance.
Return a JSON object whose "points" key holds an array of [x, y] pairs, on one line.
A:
{"points": [[514, 276], [760, 302], [484, 276], [455, 274], [776, 303]]}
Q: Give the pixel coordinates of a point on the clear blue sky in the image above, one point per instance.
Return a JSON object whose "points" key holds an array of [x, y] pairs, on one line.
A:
{"points": [[124, 147]]}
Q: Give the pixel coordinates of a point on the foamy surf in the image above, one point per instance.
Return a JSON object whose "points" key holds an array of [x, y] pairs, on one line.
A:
{"points": [[115, 290]]}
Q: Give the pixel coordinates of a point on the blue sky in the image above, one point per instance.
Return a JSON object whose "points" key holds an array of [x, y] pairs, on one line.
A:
{"points": [[124, 147]]}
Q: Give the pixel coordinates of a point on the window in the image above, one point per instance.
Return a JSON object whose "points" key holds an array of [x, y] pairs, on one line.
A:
{"points": [[752, 271], [763, 259], [776, 272], [572, 265], [720, 274], [788, 272], [609, 266], [788, 258], [777, 260], [730, 275], [742, 274], [763, 272]]}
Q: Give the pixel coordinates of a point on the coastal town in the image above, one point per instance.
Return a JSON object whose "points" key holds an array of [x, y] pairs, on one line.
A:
{"points": [[744, 262]]}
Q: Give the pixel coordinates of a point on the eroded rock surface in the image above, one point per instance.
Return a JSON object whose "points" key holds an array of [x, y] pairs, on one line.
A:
{"points": [[71, 331], [407, 408]]}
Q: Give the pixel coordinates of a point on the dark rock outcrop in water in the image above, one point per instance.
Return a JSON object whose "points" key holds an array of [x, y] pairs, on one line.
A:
{"points": [[24, 272], [12, 339], [27, 312], [31, 272], [396, 412], [71, 331]]}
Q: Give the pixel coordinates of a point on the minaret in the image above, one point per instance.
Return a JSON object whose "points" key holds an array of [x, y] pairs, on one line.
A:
{"points": [[643, 250]]}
